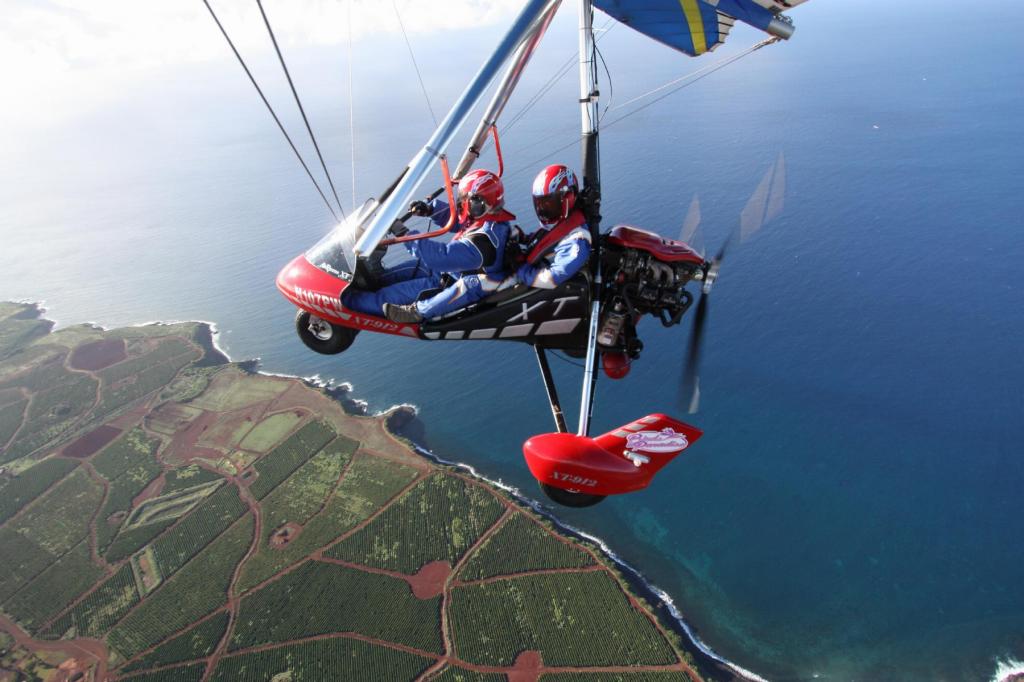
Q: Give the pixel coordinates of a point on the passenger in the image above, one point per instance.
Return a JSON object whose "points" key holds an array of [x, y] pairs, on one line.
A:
{"points": [[445, 277], [561, 246]]}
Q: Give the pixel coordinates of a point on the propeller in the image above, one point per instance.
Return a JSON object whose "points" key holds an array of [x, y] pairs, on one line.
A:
{"points": [[765, 203]]}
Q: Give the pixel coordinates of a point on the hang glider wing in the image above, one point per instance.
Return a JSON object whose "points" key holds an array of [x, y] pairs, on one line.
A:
{"points": [[698, 26]]}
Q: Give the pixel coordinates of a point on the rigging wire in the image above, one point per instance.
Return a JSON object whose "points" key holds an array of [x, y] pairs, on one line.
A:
{"points": [[291, 84], [351, 109], [559, 74], [690, 79], [277, 120], [415, 65]]}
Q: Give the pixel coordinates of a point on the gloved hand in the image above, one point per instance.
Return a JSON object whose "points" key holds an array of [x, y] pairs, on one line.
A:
{"points": [[420, 208]]}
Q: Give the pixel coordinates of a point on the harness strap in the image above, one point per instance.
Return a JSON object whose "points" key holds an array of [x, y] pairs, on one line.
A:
{"points": [[553, 236]]}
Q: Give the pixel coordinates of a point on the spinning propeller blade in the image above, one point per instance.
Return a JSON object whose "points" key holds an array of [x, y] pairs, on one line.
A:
{"points": [[765, 204], [691, 233]]}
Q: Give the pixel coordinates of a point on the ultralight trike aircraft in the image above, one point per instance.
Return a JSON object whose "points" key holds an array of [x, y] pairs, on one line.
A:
{"points": [[594, 315]]}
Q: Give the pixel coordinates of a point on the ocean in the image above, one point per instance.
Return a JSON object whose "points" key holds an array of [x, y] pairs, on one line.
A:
{"points": [[853, 511]]}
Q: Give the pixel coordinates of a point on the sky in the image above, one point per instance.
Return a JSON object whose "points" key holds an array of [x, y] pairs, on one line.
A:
{"points": [[64, 57]]}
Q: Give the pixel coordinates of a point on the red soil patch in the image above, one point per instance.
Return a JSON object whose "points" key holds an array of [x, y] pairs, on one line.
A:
{"points": [[116, 518], [429, 581], [147, 572], [90, 443], [183, 445], [155, 487], [131, 418], [285, 534], [527, 667], [98, 354]]}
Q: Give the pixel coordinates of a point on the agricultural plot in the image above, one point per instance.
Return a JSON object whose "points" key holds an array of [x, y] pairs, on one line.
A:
{"points": [[10, 419], [329, 659], [200, 587], [196, 531], [644, 676], [187, 477], [129, 450], [368, 484], [95, 614], [185, 673], [122, 491], [130, 540], [116, 396], [288, 456], [60, 518], [53, 589], [522, 545], [172, 505], [304, 492], [23, 560], [189, 384], [234, 389], [30, 484], [319, 598], [199, 642], [170, 418], [438, 520], [270, 431], [60, 399], [573, 619], [167, 349]]}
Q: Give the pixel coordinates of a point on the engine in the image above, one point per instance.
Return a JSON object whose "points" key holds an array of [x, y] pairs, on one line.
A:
{"points": [[643, 274]]}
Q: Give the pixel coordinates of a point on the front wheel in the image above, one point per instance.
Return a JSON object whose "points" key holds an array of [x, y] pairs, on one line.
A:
{"points": [[322, 336], [569, 499]]}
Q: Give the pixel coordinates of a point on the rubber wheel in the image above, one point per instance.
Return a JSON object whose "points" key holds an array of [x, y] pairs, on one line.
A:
{"points": [[322, 336], [568, 499]]}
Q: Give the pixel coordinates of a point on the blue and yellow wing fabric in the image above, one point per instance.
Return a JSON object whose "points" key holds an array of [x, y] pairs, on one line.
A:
{"points": [[692, 26]]}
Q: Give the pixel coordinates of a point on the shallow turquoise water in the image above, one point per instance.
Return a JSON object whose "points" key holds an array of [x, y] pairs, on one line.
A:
{"points": [[852, 512]]}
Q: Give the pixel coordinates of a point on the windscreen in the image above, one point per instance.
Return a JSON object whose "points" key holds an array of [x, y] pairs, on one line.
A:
{"points": [[334, 253]]}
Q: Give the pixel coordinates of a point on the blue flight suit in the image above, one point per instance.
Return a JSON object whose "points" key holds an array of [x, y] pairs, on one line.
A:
{"points": [[560, 262], [474, 258]]}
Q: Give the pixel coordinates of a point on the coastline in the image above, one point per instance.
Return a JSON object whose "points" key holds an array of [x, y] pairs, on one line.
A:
{"points": [[397, 420]]}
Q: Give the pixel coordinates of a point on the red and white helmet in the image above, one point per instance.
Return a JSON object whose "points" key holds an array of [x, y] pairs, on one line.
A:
{"points": [[554, 193], [480, 193]]}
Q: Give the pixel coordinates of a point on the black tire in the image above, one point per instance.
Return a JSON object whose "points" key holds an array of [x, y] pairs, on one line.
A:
{"points": [[568, 499], [331, 339]]}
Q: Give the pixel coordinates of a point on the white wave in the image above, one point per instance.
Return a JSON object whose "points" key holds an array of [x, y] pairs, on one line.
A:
{"points": [[1006, 669]]}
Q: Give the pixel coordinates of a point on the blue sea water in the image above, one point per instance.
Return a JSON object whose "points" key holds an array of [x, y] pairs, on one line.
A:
{"points": [[853, 511]]}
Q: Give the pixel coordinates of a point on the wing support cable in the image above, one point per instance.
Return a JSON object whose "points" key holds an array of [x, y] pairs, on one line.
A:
{"points": [[415, 65], [280, 57], [273, 114], [684, 82]]}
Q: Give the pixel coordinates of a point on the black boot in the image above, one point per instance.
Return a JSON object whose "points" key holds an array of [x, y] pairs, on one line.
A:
{"points": [[402, 313]]}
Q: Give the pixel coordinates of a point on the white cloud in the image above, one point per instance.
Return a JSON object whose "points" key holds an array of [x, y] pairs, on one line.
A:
{"points": [[63, 56]]}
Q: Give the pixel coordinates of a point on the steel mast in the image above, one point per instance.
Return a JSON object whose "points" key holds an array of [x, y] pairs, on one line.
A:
{"points": [[591, 198]]}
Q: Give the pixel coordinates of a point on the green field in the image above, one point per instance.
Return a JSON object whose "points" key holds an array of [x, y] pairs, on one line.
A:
{"points": [[198, 529], [319, 598], [280, 462], [184, 673], [453, 673], [368, 484], [269, 431], [198, 642], [55, 588], [10, 420], [31, 560], [60, 518], [438, 520], [580, 619], [197, 589], [95, 614], [331, 659], [129, 465], [520, 545], [30, 484]]}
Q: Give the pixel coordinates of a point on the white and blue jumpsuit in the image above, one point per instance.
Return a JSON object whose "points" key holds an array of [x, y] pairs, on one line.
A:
{"points": [[474, 258], [550, 265]]}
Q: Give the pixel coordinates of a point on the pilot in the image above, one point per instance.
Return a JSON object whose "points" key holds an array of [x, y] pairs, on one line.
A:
{"points": [[561, 246], [445, 277]]}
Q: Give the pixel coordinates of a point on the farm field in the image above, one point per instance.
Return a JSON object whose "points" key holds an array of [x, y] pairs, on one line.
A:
{"points": [[180, 520]]}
